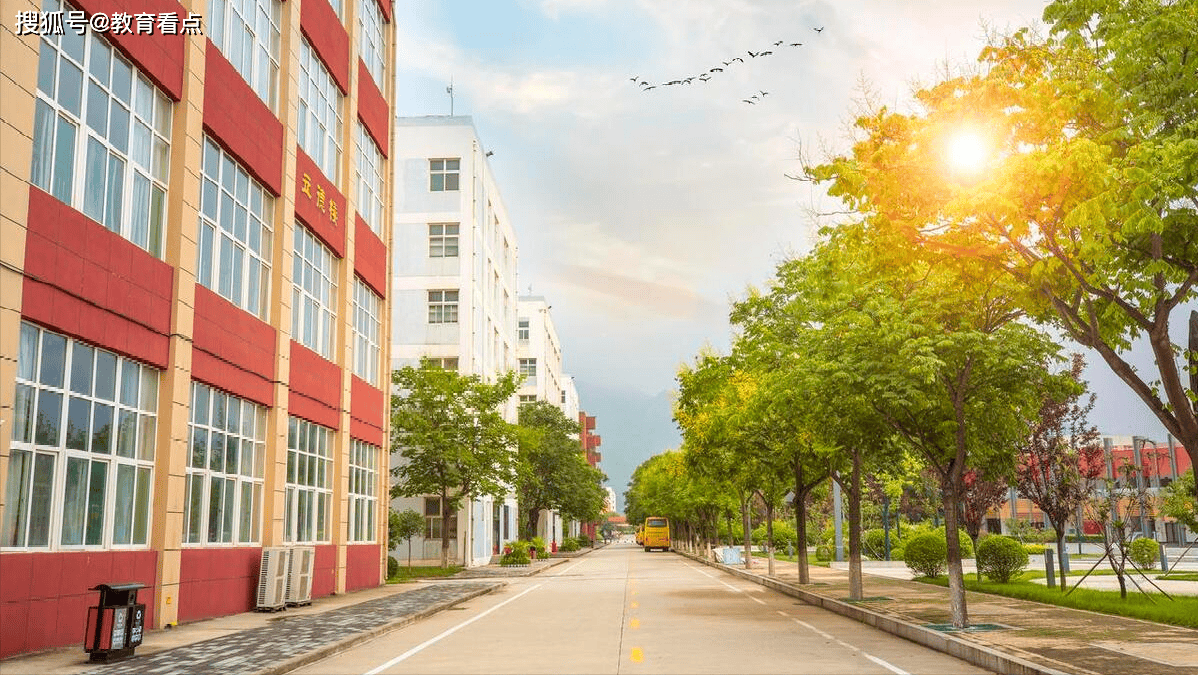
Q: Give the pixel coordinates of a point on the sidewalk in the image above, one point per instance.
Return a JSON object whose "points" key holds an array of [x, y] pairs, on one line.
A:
{"points": [[1054, 638], [257, 643]]}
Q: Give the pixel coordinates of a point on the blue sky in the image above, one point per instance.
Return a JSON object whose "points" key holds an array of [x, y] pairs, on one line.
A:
{"points": [[640, 214]]}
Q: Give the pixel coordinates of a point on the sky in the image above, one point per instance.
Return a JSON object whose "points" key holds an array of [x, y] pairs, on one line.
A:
{"points": [[640, 214]]}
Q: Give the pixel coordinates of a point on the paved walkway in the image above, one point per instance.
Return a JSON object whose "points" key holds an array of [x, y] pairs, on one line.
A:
{"points": [[1067, 640]]}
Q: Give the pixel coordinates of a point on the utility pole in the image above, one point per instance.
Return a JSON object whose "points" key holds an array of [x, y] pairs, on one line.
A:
{"points": [[449, 90]]}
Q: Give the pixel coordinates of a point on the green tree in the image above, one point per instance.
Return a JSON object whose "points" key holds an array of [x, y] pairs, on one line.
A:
{"points": [[1178, 501], [449, 432], [403, 526], [552, 472]]}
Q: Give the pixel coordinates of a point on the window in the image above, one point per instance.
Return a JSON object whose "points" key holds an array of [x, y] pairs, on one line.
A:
{"points": [[370, 178], [522, 330], [81, 467], [101, 135], [443, 174], [314, 294], [234, 249], [319, 126], [371, 36], [247, 33], [309, 482], [442, 306], [432, 520], [225, 466], [367, 327], [443, 363], [563, 397], [442, 240], [363, 491], [527, 398], [528, 367]]}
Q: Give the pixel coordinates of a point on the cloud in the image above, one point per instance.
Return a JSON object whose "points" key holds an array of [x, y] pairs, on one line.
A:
{"points": [[627, 292]]}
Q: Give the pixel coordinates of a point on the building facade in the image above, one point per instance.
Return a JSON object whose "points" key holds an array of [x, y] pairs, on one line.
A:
{"points": [[454, 298], [193, 302]]}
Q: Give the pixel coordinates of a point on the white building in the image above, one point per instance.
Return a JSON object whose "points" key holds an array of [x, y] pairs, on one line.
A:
{"points": [[454, 295]]}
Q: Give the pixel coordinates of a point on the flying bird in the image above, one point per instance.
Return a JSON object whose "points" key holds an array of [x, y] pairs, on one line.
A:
{"points": [[650, 87], [634, 78], [767, 53], [779, 43], [738, 59], [716, 70], [764, 94], [754, 55], [750, 102], [818, 30], [796, 44]]}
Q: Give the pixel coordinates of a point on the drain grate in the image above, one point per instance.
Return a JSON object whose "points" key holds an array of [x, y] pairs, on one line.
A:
{"points": [[876, 598], [972, 628]]}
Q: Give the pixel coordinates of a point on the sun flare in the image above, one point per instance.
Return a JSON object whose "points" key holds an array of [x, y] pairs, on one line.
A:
{"points": [[967, 152]]}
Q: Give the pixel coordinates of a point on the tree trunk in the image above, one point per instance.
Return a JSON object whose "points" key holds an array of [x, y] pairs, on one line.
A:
{"points": [[769, 536], [856, 590], [1061, 553], [444, 529], [748, 532], [409, 553], [532, 521], [800, 504], [952, 537]]}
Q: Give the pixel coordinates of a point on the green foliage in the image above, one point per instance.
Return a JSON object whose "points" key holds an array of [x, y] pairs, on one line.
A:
{"points": [[402, 526], [738, 531], [542, 548], [966, 542], [873, 544], [784, 534], [583, 540], [823, 552], [1034, 549], [551, 470], [1143, 552], [1179, 501], [517, 556], [568, 545], [926, 554], [392, 567], [1000, 558]]}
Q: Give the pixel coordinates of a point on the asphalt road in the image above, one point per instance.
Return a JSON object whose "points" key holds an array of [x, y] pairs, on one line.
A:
{"points": [[621, 610]]}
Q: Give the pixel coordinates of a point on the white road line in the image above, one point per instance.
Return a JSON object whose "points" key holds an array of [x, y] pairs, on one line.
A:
{"points": [[432, 641], [568, 569], [756, 600], [888, 666]]}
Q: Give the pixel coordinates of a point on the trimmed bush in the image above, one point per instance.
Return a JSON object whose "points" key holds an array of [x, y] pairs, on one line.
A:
{"points": [[1143, 552], [873, 544], [926, 554], [517, 556], [1000, 558], [784, 534], [583, 540], [823, 553], [1033, 549], [392, 567], [542, 549], [966, 542], [569, 545]]}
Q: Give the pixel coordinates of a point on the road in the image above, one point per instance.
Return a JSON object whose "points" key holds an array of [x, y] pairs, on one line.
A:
{"points": [[621, 610]]}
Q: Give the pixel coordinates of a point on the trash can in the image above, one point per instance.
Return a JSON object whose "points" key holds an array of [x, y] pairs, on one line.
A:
{"points": [[114, 627]]}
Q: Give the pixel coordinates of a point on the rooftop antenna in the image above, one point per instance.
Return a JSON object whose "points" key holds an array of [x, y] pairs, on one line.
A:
{"points": [[449, 90]]}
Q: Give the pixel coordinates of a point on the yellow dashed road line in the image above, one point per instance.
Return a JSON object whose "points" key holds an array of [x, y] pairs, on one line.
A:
{"points": [[634, 623], [637, 655]]}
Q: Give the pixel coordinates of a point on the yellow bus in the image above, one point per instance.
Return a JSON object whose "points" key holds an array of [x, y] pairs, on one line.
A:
{"points": [[656, 533], [640, 535]]}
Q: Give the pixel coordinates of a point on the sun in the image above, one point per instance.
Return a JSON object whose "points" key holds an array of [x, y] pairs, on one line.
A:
{"points": [[967, 152]]}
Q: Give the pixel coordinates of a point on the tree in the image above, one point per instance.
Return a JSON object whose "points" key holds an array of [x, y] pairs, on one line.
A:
{"points": [[1089, 198], [451, 437], [1114, 508], [1060, 457], [1178, 501], [403, 526], [552, 472], [981, 494]]}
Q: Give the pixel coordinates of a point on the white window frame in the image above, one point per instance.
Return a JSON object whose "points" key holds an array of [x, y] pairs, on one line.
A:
{"points": [[314, 293], [127, 191], [370, 178], [363, 492], [236, 237], [522, 330], [433, 521], [309, 489], [250, 43], [443, 306], [528, 367], [443, 240], [444, 174], [130, 432], [372, 40], [368, 326], [320, 113], [222, 501]]}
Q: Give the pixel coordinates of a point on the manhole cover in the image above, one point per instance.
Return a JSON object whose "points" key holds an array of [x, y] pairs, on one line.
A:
{"points": [[972, 628]]}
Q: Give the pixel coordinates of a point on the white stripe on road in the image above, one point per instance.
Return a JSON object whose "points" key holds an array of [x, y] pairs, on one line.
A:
{"points": [[432, 641], [892, 668]]}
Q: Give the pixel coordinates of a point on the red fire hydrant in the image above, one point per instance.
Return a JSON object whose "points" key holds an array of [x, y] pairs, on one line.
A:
{"points": [[553, 547], [532, 552]]}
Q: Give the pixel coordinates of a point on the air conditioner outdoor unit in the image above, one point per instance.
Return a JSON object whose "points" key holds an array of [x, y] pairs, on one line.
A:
{"points": [[299, 575], [272, 579]]}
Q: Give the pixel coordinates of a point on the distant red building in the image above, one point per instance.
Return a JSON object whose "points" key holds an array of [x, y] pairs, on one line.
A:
{"points": [[590, 443]]}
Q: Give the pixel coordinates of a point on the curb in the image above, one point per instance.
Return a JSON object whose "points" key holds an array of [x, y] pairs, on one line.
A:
{"points": [[972, 653], [301, 660]]}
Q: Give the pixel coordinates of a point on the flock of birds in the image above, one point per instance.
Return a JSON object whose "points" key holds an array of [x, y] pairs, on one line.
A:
{"points": [[707, 75]]}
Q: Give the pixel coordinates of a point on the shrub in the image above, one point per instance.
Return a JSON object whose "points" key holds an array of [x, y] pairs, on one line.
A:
{"points": [[392, 567], [873, 544], [823, 553], [966, 542], [569, 544], [1001, 558], [1033, 549], [582, 540], [784, 534], [926, 554], [539, 543], [517, 556], [1143, 553]]}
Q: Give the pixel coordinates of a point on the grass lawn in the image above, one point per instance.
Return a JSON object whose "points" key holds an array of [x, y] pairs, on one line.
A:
{"points": [[782, 557], [1180, 576], [408, 575], [1182, 611]]}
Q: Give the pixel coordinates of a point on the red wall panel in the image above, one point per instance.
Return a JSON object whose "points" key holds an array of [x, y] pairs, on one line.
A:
{"points": [[385, 6], [363, 566], [315, 393], [328, 37], [241, 122], [44, 596], [324, 571], [217, 581], [233, 349], [158, 55], [326, 219], [373, 109], [90, 283], [366, 411], [370, 257]]}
